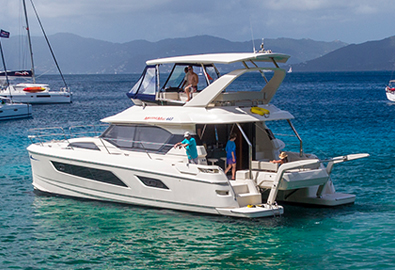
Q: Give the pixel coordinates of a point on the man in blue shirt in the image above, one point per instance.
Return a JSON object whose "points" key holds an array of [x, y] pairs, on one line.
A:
{"points": [[189, 144]]}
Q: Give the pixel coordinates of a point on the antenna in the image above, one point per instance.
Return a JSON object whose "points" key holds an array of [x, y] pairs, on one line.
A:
{"points": [[252, 37]]}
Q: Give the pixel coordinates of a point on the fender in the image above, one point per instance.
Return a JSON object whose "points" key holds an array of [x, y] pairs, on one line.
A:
{"points": [[260, 111]]}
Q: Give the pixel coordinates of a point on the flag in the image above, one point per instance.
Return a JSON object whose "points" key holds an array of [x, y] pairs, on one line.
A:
{"points": [[4, 34]]}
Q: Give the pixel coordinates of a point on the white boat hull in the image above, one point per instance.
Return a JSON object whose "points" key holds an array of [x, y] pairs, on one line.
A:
{"points": [[15, 111], [390, 95], [214, 196], [41, 98], [18, 94]]}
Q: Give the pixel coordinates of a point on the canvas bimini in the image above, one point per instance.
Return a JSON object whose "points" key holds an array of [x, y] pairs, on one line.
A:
{"points": [[134, 160]]}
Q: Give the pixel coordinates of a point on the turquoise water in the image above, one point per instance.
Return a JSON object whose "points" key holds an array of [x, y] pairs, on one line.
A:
{"points": [[336, 114]]}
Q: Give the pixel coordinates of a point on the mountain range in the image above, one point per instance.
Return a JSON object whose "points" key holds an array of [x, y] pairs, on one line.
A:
{"points": [[369, 56], [79, 55]]}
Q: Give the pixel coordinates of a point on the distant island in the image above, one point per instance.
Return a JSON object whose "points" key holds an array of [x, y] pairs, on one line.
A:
{"points": [[369, 56], [79, 55]]}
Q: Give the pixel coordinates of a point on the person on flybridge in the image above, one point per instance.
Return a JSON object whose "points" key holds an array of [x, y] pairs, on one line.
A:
{"points": [[192, 82]]}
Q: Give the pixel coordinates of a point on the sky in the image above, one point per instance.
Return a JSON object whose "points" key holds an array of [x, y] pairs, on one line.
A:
{"points": [[120, 21]]}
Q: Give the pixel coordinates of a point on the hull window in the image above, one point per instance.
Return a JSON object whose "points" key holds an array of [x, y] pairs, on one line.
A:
{"points": [[89, 173], [152, 182]]}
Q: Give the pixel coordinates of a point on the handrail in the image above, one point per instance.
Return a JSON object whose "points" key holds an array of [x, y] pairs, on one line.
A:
{"points": [[279, 176], [94, 127], [249, 150], [297, 135], [41, 133]]}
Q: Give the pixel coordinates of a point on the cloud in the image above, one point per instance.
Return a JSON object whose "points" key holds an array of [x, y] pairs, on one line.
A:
{"points": [[126, 20]]}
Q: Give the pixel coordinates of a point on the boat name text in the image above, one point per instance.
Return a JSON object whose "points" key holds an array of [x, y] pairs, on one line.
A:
{"points": [[161, 118]]}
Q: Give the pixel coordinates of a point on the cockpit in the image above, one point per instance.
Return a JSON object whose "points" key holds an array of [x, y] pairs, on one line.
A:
{"points": [[151, 89]]}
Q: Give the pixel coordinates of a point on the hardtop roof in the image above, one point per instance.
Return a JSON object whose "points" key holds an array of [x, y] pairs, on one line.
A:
{"points": [[222, 58]]}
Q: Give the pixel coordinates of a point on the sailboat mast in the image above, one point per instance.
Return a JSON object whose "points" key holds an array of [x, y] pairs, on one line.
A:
{"points": [[29, 40], [5, 68]]}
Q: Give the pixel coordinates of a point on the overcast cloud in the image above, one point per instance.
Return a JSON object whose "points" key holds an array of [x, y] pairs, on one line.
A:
{"points": [[351, 21]]}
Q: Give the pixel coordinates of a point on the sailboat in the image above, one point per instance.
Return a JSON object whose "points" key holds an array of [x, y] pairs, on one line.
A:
{"points": [[36, 93], [8, 109], [289, 70], [390, 90]]}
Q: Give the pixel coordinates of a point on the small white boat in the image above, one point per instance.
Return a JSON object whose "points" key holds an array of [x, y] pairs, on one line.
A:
{"points": [[390, 90], [289, 70], [10, 110], [133, 161]]}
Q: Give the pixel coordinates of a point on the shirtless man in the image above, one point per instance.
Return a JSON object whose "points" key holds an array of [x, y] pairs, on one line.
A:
{"points": [[192, 82]]}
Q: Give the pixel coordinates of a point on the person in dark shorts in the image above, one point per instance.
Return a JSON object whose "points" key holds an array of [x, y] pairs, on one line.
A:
{"points": [[231, 155]]}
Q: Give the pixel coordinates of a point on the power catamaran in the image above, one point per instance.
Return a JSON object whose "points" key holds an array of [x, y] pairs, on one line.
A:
{"points": [[134, 160], [34, 93]]}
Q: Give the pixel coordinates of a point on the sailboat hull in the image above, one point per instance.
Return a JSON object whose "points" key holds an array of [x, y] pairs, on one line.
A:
{"points": [[41, 98], [18, 93]]}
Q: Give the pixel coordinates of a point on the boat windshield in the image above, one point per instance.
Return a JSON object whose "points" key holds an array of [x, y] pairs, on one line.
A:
{"points": [[146, 85], [4, 100], [206, 74]]}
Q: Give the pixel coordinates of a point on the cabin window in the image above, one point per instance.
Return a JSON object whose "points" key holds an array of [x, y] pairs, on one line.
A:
{"points": [[84, 145], [121, 136], [150, 138], [138, 137]]}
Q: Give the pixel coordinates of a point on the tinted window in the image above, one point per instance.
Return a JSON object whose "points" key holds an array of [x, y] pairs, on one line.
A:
{"points": [[84, 145], [152, 182], [137, 137], [121, 136], [150, 138], [89, 173]]}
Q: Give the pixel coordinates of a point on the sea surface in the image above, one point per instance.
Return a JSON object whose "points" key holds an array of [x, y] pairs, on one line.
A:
{"points": [[335, 114]]}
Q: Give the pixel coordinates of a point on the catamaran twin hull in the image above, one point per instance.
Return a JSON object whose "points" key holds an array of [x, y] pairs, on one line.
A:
{"points": [[40, 98], [36, 94]]}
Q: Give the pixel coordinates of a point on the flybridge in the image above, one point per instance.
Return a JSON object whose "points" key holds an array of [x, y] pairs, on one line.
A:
{"points": [[211, 88]]}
